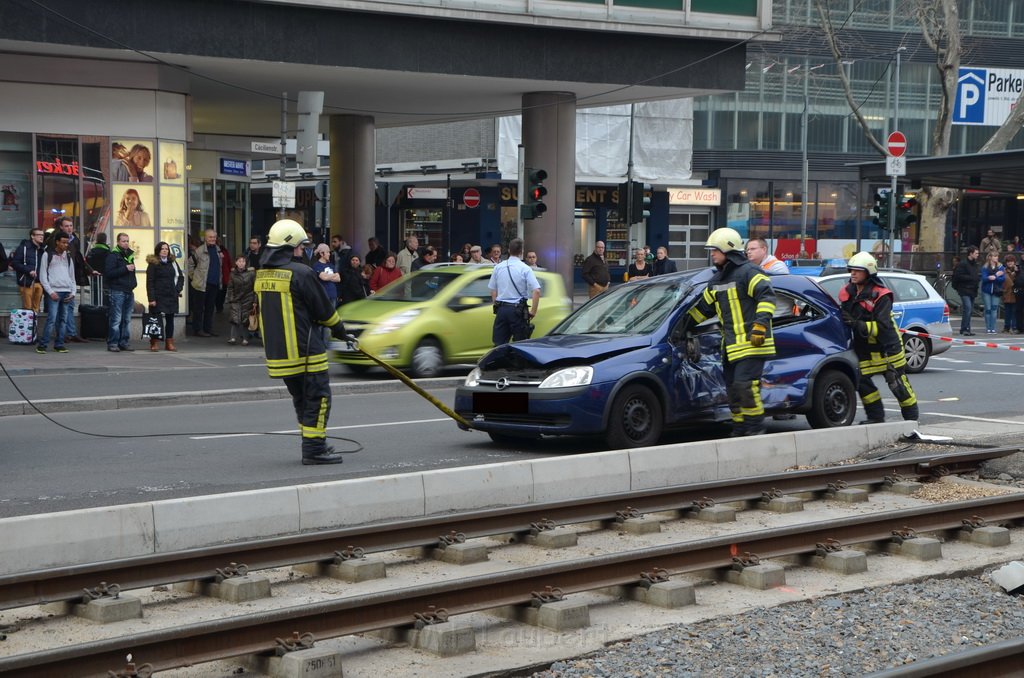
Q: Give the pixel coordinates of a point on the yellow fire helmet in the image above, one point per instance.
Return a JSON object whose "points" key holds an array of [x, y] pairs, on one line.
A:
{"points": [[724, 240], [287, 233], [863, 261]]}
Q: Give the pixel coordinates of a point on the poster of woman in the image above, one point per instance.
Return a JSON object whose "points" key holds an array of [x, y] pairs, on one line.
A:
{"points": [[132, 203], [130, 159]]}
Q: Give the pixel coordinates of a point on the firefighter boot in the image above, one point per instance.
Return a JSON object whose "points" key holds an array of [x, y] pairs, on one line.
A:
{"points": [[326, 455], [875, 412]]}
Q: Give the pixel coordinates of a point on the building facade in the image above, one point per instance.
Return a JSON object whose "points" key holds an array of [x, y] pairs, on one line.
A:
{"points": [[750, 142]]}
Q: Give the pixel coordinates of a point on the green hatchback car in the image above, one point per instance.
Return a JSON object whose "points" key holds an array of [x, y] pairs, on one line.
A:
{"points": [[436, 316]]}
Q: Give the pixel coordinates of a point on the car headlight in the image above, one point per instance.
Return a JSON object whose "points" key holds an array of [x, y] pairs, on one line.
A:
{"points": [[473, 378], [395, 322], [570, 376]]}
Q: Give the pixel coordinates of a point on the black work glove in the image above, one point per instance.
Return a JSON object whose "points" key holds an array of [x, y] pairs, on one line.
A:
{"points": [[861, 328], [848, 318], [338, 331]]}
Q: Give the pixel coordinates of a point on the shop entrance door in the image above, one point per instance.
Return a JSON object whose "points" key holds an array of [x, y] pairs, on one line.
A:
{"points": [[687, 234]]}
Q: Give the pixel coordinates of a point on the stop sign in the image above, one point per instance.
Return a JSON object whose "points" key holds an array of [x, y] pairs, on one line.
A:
{"points": [[471, 198], [896, 144]]}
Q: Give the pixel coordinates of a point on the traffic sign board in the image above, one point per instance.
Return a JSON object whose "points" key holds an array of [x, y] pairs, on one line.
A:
{"points": [[471, 197], [896, 144], [896, 166]]}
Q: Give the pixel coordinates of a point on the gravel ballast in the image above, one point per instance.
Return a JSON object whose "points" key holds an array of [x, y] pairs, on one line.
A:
{"points": [[844, 635]]}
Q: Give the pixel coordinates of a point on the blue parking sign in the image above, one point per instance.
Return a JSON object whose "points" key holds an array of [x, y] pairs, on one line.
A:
{"points": [[969, 106]]}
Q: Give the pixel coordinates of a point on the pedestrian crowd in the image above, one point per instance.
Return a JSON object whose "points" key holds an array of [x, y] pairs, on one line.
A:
{"points": [[1000, 283]]}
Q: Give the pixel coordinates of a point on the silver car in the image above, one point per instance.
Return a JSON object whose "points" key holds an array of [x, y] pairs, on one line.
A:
{"points": [[917, 307]]}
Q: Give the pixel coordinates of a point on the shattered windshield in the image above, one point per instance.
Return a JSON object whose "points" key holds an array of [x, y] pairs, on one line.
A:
{"points": [[628, 309]]}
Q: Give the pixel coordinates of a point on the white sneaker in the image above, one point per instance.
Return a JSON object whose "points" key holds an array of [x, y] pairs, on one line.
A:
{"points": [[231, 340]]}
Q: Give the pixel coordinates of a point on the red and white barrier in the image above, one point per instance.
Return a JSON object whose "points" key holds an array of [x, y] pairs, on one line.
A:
{"points": [[966, 342]]}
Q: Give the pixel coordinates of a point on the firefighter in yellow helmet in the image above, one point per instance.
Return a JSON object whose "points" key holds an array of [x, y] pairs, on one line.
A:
{"points": [[867, 310], [741, 295], [293, 308]]}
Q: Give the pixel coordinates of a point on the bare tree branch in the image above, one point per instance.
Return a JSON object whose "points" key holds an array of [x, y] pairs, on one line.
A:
{"points": [[833, 43]]}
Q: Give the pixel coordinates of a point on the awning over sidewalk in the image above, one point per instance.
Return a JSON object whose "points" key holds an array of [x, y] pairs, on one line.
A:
{"points": [[1001, 172]]}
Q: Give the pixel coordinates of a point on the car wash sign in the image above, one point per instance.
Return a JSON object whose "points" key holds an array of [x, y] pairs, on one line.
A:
{"points": [[985, 96]]}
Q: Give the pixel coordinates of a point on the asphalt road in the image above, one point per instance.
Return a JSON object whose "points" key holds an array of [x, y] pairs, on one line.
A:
{"points": [[47, 468]]}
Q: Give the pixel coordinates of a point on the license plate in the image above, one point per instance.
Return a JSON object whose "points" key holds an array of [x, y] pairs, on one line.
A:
{"points": [[501, 403]]}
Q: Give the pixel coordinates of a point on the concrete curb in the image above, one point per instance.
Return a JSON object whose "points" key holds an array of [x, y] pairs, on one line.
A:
{"points": [[13, 408], [93, 535]]}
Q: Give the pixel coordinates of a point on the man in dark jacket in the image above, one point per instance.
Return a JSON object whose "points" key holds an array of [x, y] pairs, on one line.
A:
{"points": [[741, 295], [253, 254], [121, 281], [26, 260], [97, 259], [595, 272], [966, 278], [293, 309]]}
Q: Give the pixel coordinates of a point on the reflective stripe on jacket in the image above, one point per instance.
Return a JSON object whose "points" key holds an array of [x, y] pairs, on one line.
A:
{"points": [[882, 346], [293, 307], [740, 295]]}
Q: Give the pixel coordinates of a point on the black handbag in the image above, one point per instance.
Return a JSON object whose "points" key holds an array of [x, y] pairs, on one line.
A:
{"points": [[152, 326]]}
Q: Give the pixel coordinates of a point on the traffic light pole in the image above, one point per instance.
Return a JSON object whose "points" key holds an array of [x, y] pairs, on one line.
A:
{"points": [[520, 191], [284, 138], [629, 216], [892, 184]]}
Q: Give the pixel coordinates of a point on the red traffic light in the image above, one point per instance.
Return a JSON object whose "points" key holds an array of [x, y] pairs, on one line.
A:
{"points": [[538, 192]]}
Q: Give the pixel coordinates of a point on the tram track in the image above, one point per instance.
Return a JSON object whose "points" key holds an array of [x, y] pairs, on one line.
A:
{"points": [[399, 608], [67, 583]]}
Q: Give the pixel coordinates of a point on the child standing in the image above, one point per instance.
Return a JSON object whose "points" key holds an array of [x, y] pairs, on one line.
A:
{"points": [[241, 295]]}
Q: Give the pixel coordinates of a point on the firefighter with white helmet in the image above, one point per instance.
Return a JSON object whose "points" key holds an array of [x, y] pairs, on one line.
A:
{"points": [[293, 307], [741, 295], [867, 310]]}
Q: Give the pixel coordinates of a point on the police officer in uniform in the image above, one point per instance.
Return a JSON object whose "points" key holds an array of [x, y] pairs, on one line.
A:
{"points": [[510, 283], [293, 308], [867, 310], [741, 295]]}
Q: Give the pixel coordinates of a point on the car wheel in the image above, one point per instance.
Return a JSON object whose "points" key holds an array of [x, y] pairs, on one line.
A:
{"points": [[917, 351], [635, 418], [834, 402], [427, 359], [358, 369]]}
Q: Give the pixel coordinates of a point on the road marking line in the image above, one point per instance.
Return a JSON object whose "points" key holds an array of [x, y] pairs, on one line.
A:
{"points": [[969, 418], [951, 360], [329, 428], [941, 369], [975, 371], [948, 400], [1010, 374], [1001, 364]]}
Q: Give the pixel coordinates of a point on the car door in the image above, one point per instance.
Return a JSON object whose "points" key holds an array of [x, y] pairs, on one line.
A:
{"points": [[797, 352], [697, 381], [912, 305], [471, 312]]}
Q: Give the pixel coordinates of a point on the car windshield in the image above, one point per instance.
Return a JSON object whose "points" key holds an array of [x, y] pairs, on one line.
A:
{"points": [[628, 309], [417, 286]]}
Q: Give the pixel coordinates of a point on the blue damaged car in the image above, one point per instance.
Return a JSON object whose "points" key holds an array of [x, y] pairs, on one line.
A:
{"points": [[625, 367]]}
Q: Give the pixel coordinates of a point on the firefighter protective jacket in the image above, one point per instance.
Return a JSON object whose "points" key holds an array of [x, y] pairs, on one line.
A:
{"points": [[740, 295], [293, 308], [876, 341]]}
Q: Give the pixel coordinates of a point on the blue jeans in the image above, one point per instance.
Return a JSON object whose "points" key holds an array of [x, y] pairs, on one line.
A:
{"points": [[56, 314], [966, 309], [121, 305], [991, 309], [69, 320]]}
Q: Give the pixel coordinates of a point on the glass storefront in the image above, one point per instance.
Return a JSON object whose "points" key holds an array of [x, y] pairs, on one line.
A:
{"points": [[104, 184], [223, 206]]}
